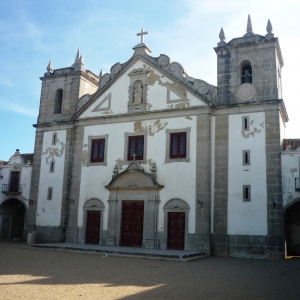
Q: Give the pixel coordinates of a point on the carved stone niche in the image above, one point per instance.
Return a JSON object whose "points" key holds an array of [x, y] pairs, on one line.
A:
{"points": [[138, 90]]}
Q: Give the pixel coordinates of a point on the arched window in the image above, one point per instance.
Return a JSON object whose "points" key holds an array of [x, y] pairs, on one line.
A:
{"points": [[58, 101], [246, 72]]}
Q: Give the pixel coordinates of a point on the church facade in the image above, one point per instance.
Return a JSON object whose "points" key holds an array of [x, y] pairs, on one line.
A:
{"points": [[147, 156]]}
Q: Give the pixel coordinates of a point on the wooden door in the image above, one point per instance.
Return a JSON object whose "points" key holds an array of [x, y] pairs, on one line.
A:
{"points": [[14, 182], [132, 223], [176, 230], [93, 227]]}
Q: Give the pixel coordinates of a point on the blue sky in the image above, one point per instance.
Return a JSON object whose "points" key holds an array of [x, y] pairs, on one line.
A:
{"points": [[32, 32]]}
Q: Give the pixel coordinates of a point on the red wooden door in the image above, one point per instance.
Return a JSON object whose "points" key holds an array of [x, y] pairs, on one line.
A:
{"points": [[176, 229], [14, 183], [93, 227], [132, 223]]}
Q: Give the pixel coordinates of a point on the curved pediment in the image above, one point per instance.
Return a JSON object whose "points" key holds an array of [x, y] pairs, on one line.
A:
{"points": [[134, 177]]}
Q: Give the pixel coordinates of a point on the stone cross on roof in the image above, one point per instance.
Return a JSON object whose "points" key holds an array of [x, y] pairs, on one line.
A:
{"points": [[142, 33], [134, 155]]}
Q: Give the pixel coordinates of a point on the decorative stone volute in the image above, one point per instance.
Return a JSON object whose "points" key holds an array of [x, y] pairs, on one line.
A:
{"points": [[115, 171], [222, 38], [269, 28], [153, 170]]}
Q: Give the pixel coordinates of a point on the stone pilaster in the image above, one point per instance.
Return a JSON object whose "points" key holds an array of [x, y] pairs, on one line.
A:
{"points": [[34, 189], [275, 239], [220, 237], [112, 210], [73, 165], [203, 196], [152, 241]]}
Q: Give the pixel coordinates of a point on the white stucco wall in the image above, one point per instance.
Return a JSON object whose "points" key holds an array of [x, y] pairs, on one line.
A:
{"points": [[290, 162], [16, 164], [179, 178], [49, 211], [156, 95], [247, 218]]}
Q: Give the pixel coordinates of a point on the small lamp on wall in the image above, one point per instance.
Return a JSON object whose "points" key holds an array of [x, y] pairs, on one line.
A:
{"points": [[200, 202]]}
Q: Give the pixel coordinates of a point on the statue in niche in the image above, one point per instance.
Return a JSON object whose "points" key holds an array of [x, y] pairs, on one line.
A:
{"points": [[247, 77], [138, 94]]}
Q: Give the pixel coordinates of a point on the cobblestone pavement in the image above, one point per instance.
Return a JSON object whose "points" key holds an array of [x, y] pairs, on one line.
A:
{"points": [[44, 274]]}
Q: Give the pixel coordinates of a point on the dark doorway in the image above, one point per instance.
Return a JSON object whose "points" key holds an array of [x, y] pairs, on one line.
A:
{"points": [[132, 223], [176, 230], [292, 229], [12, 218], [93, 227]]}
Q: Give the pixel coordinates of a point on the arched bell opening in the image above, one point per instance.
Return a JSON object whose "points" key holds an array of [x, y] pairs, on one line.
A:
{"points": [[292, 228], [12, 219], [246, 72]]}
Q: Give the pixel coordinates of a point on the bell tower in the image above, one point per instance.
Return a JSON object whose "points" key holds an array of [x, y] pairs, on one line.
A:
{"points": [[249, 67], [61, 89]]}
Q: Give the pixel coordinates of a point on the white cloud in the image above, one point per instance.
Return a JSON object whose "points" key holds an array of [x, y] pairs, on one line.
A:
{"points": [[17, 108]]}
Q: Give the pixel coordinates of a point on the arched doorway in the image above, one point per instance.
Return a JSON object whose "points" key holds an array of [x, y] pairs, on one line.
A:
{"points": [[12, 219], [292, 228]]}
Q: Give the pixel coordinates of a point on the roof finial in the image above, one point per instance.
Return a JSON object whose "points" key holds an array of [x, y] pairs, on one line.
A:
{"points": [[50, 67], [81, 61], [101, 74], [222, 38], [249, 25], [77, 58], [249, 29], [269, 28]]}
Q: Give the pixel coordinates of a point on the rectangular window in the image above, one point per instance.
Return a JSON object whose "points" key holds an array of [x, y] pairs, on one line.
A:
{"points": [[54, 137], [52, 163], [246, 157], [178, 145], [50, 193], [97, 151], [246, 192], [245, 125], [135, 147]]}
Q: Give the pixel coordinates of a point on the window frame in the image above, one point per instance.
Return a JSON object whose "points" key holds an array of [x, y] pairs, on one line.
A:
{"points": [[169, 132], [244, 120], [98, 158], [90, 144], [178, 135], [52, 166], [246, 163], [247, 193], [138, 157], [50, 193], [128, 135]]}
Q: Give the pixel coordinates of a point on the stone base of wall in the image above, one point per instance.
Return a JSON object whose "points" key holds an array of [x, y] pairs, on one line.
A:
{"points": [[71, 234], [50, 234], [219, 245], [254, 246], [199, 242]]}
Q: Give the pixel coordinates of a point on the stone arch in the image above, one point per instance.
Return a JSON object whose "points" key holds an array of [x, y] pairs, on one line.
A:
{"points": [[291, 217], [176, 205], [58, 101], [13, 219], [93, 204]]}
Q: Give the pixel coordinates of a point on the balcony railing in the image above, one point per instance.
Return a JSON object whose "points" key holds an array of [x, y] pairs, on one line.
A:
{"points": [[12, 188], [297, 184]]}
